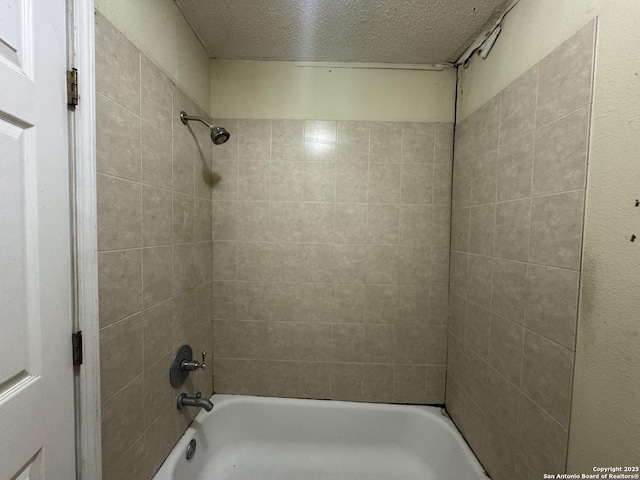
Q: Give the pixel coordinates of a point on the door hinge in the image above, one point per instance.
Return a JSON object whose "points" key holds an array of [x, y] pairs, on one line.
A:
{"points": [[72, 88], [76, 345]]}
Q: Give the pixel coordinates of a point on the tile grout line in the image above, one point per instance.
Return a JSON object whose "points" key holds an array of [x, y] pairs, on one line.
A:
{"points": [[142, 286]]}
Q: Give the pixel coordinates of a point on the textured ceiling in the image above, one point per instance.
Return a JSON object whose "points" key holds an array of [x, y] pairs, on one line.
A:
{"points": [[391, 31]]}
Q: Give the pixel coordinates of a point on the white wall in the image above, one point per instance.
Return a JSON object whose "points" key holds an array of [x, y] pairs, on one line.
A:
{"points": [[284, 90], [605, 423], [160, 31]]}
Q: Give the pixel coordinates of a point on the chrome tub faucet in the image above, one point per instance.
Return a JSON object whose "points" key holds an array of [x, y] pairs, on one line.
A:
{"points": [[197, 401]]}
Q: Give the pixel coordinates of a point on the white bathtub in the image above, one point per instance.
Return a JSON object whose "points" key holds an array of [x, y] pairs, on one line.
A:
{"points": [[258, 438]]}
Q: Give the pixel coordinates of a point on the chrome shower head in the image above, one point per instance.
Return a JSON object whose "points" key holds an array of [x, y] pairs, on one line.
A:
{"points": [[219, 135]]}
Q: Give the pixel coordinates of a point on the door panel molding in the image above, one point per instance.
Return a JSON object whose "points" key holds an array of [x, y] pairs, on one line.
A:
{"points": [[16, 23]]}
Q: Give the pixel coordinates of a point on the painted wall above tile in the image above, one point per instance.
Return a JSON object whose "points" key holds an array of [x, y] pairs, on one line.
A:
{"points": [[287, 90]]}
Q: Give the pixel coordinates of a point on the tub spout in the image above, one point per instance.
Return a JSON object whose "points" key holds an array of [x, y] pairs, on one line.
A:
{"points": [[197, 401]]}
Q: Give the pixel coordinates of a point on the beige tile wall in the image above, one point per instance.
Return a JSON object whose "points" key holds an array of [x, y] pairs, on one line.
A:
{"points": [[330, 260], [518, 199], [154, 241]]}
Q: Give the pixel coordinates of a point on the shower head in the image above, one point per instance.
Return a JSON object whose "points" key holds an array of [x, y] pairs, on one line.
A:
{"points": [[219, 135]]}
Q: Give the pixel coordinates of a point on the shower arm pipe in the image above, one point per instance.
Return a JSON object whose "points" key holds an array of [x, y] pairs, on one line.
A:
{"points": [[219, 135], [186, 118]]}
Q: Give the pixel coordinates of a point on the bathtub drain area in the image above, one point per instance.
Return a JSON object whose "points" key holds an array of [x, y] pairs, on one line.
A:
{"points": [[317, 462]]}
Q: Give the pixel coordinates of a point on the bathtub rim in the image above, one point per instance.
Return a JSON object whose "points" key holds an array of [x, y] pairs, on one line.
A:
{"points": [[433, 413]]}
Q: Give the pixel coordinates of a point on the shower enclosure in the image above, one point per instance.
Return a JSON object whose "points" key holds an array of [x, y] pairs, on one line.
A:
{"points": [[340, 257]]}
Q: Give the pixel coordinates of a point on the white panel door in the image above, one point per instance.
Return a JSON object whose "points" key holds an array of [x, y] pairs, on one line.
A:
{"points": [[36, 374]]}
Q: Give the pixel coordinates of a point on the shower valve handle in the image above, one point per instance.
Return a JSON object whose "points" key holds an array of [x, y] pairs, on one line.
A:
{"points": [[191, 365], [203, 365]]}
